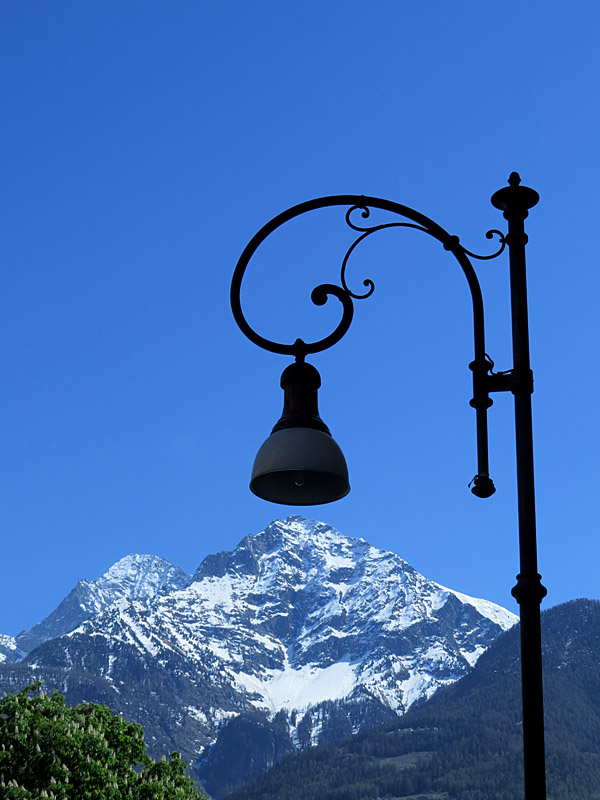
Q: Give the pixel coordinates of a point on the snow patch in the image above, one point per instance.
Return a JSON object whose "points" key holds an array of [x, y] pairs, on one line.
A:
{"points": [[301, 688], [500, 616]]}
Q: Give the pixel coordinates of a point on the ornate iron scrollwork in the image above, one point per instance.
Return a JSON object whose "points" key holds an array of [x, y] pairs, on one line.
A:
{"points": [[321, 293]]}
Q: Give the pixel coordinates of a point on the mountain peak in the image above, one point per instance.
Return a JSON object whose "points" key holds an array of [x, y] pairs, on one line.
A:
{"points": [[134, 577], [141, 576], [310, 540]]}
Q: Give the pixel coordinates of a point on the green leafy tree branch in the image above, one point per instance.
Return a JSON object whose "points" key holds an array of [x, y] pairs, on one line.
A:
{"points": [[49, 749]]}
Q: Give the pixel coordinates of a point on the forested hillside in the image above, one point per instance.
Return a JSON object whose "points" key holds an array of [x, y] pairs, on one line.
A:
{"points": [[465, 743]]}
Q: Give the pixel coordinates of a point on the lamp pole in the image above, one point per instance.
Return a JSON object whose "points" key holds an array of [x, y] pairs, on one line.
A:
{"points": [[301, 464], [515, 201]]}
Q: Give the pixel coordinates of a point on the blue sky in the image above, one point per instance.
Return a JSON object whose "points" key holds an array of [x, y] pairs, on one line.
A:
{"points": [[143, 144]]}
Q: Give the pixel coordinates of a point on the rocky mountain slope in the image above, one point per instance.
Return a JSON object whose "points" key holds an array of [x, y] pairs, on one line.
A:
{"points": [[465, 743], [300, 635], [135, 577]]}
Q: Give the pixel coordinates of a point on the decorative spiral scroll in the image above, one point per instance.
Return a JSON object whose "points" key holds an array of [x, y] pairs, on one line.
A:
{"points": [[490, 235], [366, 213], [357, 204], [367, 231]]}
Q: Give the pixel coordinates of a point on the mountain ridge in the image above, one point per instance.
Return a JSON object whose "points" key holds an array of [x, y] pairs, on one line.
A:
{"points": [[135, 575], [300, 630]]}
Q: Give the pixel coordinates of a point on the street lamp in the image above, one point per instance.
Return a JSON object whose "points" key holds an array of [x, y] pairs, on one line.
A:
{"points": [[301, 464]]}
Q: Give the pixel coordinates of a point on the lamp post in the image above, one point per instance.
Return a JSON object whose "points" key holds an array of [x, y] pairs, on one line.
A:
{"points": [[301, 464]]}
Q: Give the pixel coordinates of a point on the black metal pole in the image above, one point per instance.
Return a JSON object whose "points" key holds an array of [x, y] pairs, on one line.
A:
{"points": [[515, 201]]}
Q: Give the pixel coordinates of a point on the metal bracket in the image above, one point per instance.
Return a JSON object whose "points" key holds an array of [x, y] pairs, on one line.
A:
{"points": [[510, 381], [499, 381]]}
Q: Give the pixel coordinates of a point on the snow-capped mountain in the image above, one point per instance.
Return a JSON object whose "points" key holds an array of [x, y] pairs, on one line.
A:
{"points": [[135, 577], [299, 635]]}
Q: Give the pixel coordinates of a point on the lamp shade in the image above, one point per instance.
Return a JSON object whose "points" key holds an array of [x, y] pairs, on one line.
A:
{"points": [[300, 467], [300, 463]]}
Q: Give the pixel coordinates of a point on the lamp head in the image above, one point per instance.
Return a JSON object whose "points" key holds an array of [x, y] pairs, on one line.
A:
{"points": [[300, 463]]}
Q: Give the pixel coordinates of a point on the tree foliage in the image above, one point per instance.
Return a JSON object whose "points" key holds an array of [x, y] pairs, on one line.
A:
{"points": [[50, 749]]}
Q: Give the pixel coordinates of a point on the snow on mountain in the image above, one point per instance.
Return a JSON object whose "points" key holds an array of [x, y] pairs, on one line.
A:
{"points": [[9, 650], [135, 577], [297, 636], [300, 614]]}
